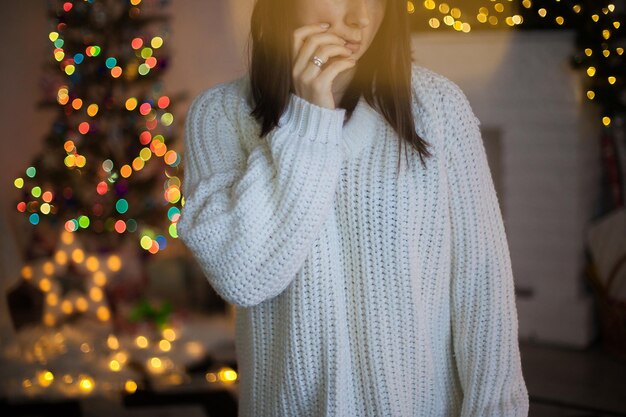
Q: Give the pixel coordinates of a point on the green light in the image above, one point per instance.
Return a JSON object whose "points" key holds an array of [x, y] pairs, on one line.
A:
{"points": [[83, 221]]}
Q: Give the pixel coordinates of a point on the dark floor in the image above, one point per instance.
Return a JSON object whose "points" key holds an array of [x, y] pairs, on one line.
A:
{"points": [[561, 383], [573, 383]]}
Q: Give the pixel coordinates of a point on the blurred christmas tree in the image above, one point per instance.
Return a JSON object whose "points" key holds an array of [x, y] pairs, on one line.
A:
{"points": [[108, 168], [102, 193]]}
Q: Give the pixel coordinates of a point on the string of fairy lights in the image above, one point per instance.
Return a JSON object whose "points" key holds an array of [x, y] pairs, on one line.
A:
{"points": [[455, 14], [596, 23]]}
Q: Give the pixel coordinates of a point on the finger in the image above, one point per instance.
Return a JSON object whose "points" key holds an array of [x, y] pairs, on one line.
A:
{"points": [[314, 46], [313, 42], [328, 74], [325, 53], [301, 33]]}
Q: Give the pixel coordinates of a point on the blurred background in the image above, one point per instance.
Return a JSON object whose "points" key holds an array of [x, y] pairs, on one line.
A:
{"points": [[103, 310]]}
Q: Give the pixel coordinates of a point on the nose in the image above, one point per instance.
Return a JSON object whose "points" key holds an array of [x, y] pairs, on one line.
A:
{"points": [[357, 14]]}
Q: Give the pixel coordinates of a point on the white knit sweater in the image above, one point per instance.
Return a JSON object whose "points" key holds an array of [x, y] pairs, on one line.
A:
{"points": [[357, 292]]}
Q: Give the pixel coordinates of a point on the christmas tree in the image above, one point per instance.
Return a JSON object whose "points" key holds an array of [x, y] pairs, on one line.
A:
{"points": [[108, 168]]}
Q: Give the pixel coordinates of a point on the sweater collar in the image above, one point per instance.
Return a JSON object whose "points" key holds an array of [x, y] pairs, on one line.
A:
{"points": [[361, 129], [358, 132]]}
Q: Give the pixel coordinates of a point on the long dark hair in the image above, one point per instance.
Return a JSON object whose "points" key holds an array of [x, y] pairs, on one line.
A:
{"points": [[385, 66]]}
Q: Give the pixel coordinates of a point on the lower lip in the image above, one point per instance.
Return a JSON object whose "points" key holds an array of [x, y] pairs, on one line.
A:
{"points": [[354, 47]]}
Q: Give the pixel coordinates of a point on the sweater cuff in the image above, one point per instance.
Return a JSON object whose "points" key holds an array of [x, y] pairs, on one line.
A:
{"points": [[318, 124]]}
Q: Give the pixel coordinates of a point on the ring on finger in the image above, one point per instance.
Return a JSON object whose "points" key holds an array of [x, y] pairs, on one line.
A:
{"points": [[317, 61]]}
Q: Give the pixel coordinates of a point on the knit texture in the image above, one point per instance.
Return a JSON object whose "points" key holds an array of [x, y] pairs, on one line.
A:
{"points": [[358, 292]]}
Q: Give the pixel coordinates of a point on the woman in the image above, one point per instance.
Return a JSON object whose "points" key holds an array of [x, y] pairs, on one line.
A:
{"points": [[361, 289]]}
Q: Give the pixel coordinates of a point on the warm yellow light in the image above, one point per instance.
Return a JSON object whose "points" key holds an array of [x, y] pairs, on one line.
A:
{"points": [[78, 256], [591, 71], [99, 278], [591, 95], [141, 341], [52, 299], [49, 319], [169, 334], [67, 237], [27, 272], [86, 383], [194, 348], [112, 342], [45, 378], [227, 375], [165, 345], [121, 357], [45, 285], [103, 313], [60, 257], [92, 263], [81, 304], [114, 263], [114, 365], [66, 307], [130, 386], [155, 365], [95, 293], [606, 121], [48, 268]]}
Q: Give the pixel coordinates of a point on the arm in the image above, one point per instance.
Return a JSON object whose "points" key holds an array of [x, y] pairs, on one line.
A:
{"points": [[250, 219], [484, 315]]}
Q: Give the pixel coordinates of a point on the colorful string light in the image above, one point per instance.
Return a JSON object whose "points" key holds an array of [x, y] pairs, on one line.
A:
{"points": [[88, 121]]}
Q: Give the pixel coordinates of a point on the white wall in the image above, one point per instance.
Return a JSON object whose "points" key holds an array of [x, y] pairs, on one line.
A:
{"points": [[520, 85]]}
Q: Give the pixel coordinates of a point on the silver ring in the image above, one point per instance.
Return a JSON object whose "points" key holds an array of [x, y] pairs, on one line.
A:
{"points": [[317, 61]]}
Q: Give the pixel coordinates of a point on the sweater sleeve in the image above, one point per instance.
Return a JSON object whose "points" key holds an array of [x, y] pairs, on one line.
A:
{"points": [[483, 309], [250, 218]]}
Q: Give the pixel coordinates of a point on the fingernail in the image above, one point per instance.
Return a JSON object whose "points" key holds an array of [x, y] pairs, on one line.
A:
{"points": [[325, 25]]}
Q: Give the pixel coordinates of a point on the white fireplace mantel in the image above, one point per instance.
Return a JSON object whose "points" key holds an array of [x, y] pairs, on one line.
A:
{"points": [[542, 138]]}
